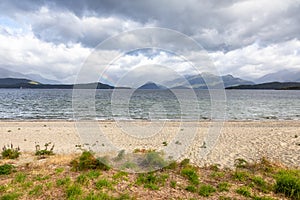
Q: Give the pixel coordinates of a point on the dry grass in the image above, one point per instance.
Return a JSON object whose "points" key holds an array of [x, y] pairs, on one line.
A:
{"points": [[54, 178]]}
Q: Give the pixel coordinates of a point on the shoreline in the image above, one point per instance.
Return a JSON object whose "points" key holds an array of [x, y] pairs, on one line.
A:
{"points": [[250, 140]]}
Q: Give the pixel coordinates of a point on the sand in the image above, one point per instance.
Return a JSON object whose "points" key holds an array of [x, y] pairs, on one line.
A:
{"points": [[278, 141]]}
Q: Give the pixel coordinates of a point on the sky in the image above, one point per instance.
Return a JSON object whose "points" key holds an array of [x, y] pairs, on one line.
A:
{"points": [[245, 38]]}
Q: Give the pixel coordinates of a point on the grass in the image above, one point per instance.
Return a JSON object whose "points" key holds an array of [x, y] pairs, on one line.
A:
{"points": [[57, 179], [103, 183], [244, 191], [151, 180], [206, 190], [87, 161], [288, 183], [73, 191], [191, 174], [6, 169], [9, 152], [223, 187]]}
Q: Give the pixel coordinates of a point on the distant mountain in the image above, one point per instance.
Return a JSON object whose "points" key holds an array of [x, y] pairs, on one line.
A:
{"points": [[26, 83], [201, 81], [15, 82], [280, 76], [151, 86], [5, 73], [270, 86]]}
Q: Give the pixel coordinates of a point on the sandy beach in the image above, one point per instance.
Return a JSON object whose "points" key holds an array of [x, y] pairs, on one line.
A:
{"points": [[279, 141]]}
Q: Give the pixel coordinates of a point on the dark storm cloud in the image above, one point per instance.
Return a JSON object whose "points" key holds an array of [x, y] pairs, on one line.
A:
{"points": [[250, 37], [217, 25]]}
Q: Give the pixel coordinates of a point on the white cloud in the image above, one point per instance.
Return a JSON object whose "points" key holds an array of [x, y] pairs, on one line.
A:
{"points": [[255, 60]]}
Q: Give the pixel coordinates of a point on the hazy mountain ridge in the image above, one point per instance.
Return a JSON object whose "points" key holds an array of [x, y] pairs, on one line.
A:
{"points": [[201, 81], [30, 84], [5, 73], [280, 76]]}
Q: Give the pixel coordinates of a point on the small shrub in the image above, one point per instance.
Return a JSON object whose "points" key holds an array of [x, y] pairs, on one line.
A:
{"points": [[9, 152], [6, 169], [191, 174], [42, 153], [288, 183], [154, 159], [206, 190], [87, 161], [165, 143], [244, 191]]}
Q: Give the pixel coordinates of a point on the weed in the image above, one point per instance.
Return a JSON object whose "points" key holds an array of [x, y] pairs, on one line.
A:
{"points": [[240, 163], [93, 174], [151, 180], [6, 169], [64, 181], [82, 179], [215, 174], [9, 152], [73, 191], [185, 162], [191, 174], [244, 191], [173, 184], [206, 190], [288, 183], [43, 153], [41, 178], [261, 183], [59, 170], [262, 198], [223, 187], [10, 196], [240, 176], [103, 183], [191, 188], [37, 190], [120, 175], [20, 178]]}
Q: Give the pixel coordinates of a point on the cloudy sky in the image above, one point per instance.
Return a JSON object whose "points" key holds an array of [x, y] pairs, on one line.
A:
{"points": [[246, 38]]}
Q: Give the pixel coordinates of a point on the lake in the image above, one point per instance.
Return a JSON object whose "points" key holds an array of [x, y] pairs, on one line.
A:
{"points": [[39, 104]]}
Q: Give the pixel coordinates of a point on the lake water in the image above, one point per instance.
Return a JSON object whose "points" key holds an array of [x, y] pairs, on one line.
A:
{"points": [[39, 104]]}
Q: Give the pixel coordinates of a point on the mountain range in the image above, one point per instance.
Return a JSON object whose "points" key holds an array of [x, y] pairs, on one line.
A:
{"points": [[26, 83], [5, 73], [206, 79], [280, 76]]}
